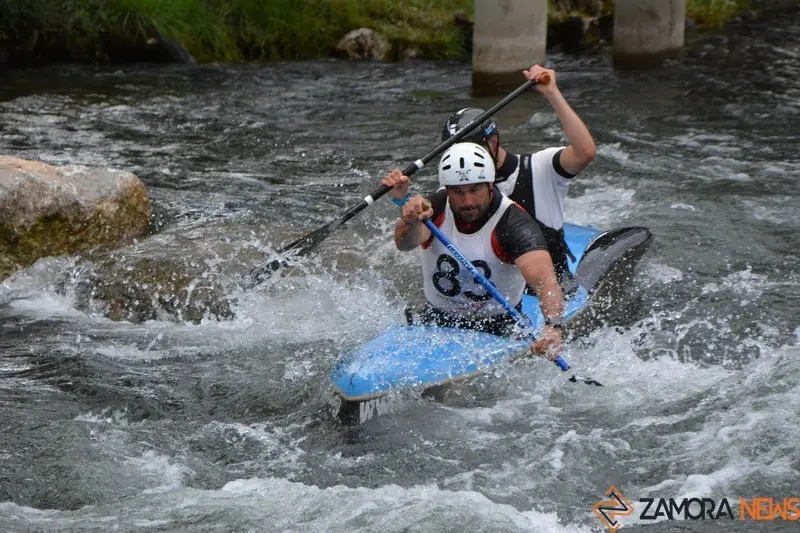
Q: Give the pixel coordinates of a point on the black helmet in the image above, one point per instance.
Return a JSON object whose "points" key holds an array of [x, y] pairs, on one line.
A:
{"points": [[461, 118]]}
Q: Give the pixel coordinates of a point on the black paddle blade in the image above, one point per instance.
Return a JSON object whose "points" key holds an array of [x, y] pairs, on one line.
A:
{"points": [[588, 381], [263, 272], [305, 244], [299, 247]]}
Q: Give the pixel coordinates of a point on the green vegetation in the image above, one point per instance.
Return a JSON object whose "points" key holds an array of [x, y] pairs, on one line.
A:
{"points": [[716, 13], [709, 13], [231, 30], [237, 30]]}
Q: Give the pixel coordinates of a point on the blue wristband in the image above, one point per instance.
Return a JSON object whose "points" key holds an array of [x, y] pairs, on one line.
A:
{"points": [[400, 203]]}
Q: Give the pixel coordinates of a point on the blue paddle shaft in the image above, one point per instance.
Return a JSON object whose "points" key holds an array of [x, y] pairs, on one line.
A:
{"points": [[521, 319]]}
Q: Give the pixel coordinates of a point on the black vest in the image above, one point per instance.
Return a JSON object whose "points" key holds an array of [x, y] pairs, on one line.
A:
{"points": [[556, 243]]}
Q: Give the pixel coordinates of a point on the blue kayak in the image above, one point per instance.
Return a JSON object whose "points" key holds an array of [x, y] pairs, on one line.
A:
{"points": [[426, 356]]}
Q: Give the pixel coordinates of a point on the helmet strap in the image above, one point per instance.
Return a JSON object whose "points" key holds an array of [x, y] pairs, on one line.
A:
{"points": [[494, 151]]}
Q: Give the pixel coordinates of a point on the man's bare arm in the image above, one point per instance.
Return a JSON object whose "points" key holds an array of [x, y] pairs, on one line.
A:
{"points": [[582, 148], [537, 269]]}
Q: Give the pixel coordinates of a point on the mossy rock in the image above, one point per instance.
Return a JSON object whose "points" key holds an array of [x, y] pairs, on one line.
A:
{"points": [[50, 211]]}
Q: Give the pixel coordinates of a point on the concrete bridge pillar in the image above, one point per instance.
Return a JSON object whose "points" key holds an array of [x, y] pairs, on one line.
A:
{"points": [[508, 37], [647, 31]]}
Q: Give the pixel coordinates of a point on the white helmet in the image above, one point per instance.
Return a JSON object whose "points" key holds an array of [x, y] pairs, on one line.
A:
{"points": [[464, 164]]}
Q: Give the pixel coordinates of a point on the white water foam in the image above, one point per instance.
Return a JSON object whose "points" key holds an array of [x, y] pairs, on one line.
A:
{"points": [[661, 273], [312, 307], [613, 151], [780, 210], [729, 451], [744, 285], [270, 504], [713, 454], [277, 447], [601, 207], [162, 471]]}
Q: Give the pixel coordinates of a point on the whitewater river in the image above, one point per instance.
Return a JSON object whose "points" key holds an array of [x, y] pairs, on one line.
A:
{"points": [[226, 425]]}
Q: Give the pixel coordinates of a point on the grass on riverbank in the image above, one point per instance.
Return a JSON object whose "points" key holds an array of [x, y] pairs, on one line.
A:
{"points": [[716, 13], [233, 30], [708, 13]]}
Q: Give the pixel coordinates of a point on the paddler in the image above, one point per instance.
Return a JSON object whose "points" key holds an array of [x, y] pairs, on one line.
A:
{"points": [[494, 233], [538, 182]]}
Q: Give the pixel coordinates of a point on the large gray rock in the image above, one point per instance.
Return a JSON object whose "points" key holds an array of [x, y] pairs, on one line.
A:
{"points": [[47, 210], [365, 43]]}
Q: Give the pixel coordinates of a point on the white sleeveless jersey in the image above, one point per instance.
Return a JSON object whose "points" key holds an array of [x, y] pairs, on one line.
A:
{"points": [[538, 187], [449, 286]]}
